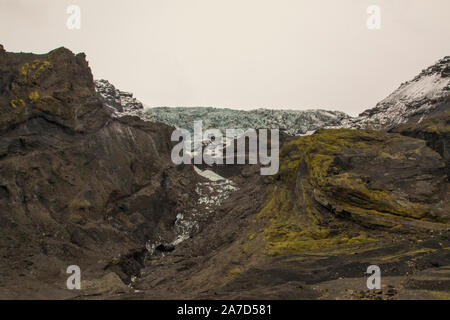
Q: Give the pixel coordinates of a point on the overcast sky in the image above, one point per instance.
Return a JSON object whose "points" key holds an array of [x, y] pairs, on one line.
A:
{"points": [[245, 54]]}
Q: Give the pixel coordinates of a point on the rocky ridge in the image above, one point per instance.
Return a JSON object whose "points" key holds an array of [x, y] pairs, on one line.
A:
{"points": [[117, 100], [78, 186], [416, 99]]}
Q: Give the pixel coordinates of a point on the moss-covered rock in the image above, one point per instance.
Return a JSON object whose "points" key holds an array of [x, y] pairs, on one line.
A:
{"points": [[434, 129], [57, 86], [367, 178]]}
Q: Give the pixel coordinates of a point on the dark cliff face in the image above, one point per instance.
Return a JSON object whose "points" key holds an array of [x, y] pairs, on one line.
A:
{"points": [[56, 87], [434, 129], [77, 186], [413, 101]]}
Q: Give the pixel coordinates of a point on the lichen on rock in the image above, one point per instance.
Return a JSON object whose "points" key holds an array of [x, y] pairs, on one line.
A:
{"points": [[369, 178]]}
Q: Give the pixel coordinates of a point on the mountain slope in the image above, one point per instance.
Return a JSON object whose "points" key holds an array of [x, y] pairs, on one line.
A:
{"points": [[78, 187], [117, 100], [343, 200]]}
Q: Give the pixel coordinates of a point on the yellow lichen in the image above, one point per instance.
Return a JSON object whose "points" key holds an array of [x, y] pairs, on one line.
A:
{"points": [[17, 102], [35, 64], [81, 205], [293, 222], [233, 272], [33, 96], [24, 69], [31, 73], [45, 65]]}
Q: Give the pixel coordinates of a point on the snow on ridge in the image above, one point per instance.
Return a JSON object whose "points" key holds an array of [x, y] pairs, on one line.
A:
{"points": [[415, 97], [428, 87]]}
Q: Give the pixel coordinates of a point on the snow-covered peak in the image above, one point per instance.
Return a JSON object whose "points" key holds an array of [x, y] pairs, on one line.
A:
{"points": [[120, 101], [413, 99], [417, 97]]}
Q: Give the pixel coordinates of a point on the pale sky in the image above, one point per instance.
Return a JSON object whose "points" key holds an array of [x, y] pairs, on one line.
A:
{"points": [[245, 54]]}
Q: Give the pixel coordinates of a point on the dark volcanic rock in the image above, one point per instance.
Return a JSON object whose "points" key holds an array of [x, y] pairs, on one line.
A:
{"points": [[116, 99], [343, 200], [374, 180], [56, 87], [77, 186], [434, 129]]}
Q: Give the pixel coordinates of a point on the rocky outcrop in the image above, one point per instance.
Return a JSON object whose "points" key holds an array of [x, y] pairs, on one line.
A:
{"points": [[118, 100], [434, 129], [56, 87], [78, 186], [420, 108], [371, 179]]}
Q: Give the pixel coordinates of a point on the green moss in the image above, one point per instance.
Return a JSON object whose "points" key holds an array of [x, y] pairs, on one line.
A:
{"points": [[31, 73], [293, 164], [80, 205], [345, 186], [35, 64], [44, 66], [412, 253], [233, 272], [293, 220]]}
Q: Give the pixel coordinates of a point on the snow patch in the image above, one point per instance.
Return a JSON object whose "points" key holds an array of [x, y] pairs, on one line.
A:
{"points": [[208, 174]]}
